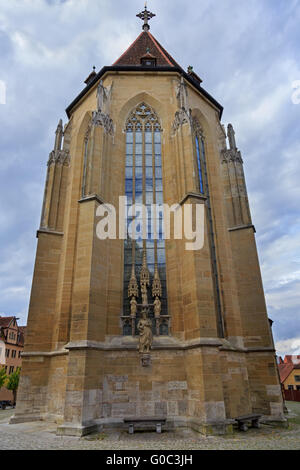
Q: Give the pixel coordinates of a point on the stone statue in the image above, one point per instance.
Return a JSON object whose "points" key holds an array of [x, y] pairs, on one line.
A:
{"points": [[145, 332], [133, 307], [157, 307], [104, 98], [101, 94], [231, 137], [144, 294], [182, 95], [183, 114]]}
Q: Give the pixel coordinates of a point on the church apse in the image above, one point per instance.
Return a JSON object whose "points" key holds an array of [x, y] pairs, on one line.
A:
{"points": [[140, 326]]}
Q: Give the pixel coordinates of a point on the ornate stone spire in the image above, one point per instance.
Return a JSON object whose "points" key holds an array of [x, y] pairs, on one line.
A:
{"points": [[144, 278], [146, 15], [156, 285], [133, 290], [58, 136]]}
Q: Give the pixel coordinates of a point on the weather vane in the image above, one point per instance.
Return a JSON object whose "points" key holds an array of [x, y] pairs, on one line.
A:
{"points": [[146, 15]]}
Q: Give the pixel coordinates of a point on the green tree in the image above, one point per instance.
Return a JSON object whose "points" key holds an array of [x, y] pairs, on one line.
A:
{"points": [[13, 382], [3, 376]]}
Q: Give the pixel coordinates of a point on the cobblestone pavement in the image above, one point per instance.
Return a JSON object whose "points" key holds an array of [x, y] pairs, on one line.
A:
{"points": [[41, 435]]}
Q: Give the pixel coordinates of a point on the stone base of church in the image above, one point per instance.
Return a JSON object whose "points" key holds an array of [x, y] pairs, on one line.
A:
{"points": [[201, 385], [76, 430], [175, 424], [25, 418], [275, 421], [218, 428]]}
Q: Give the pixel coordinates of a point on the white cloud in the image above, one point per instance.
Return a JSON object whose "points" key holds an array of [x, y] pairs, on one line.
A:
{"points": [[287, 347], [247, 55]]}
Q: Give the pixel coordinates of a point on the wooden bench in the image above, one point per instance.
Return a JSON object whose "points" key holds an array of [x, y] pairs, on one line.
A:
{"points": [[146, 422], [244, 420]]}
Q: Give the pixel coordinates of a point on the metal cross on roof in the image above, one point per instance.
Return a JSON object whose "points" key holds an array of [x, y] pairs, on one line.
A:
{"points": [[146, 15]]}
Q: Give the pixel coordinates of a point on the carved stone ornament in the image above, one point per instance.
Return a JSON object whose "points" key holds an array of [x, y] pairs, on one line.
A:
{"points": [[104, 98], [145, 333], [156, 284], [157, 307], [88, 131], [61, 157], [144, 293], [51, 159], [231, 156], [181, 117], [146, 360], [221, 137], [101, 94], [133, 289], [144, 279], [133, 307], [196, 127], [103, 120], [182, 95]]}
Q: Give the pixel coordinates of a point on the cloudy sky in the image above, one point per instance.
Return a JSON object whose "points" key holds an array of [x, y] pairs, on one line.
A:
{"points": [[247, 53]]}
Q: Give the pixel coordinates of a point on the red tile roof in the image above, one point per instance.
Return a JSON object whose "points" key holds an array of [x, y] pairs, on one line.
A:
{"points": [[292, 359], [285, 370], [130, 60], [5, 321], [144, 43]]}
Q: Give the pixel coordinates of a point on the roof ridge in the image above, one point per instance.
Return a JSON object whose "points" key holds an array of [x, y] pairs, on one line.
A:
{"points": [[159, 48], [165, 52], [284, 370]]}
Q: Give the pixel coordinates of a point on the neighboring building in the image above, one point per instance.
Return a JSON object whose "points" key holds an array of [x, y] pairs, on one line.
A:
{"points": [[147, 129], [289, 369], [11, 347]]}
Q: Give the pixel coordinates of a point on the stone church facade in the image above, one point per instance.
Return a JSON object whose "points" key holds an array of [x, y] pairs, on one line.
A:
{"points": [[146, 129]]}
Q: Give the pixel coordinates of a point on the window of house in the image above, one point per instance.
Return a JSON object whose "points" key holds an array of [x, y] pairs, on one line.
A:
{"points": [[297, 378], [297, 387], [7, 352], [19, 353], [11, 369], [290, 387], [13, 353]]}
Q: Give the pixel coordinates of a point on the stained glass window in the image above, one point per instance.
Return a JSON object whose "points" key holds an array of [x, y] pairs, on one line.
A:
{"points": [[143, 185]]}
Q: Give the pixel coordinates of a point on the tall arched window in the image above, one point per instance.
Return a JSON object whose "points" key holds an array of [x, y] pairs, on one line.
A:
{"points": [[144, 258], [203, 185]]}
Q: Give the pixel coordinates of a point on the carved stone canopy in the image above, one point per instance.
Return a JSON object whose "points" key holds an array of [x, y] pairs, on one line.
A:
{"points": [[61, 157], [133, 289], [231, 156], [103, 120], [156, 285]]}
